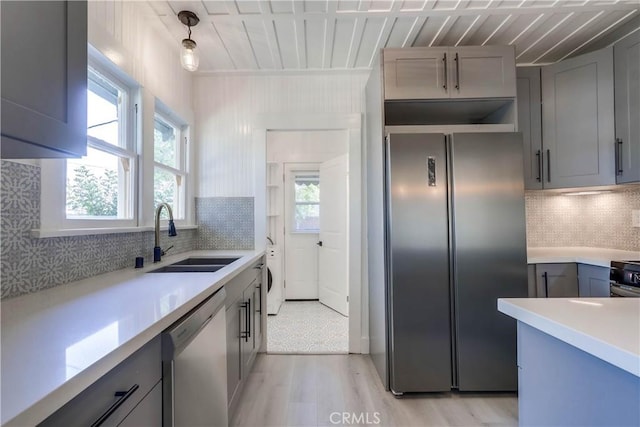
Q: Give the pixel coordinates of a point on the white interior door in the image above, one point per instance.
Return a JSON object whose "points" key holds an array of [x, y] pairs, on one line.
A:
{"points": [[302, 225], [334, 230]]}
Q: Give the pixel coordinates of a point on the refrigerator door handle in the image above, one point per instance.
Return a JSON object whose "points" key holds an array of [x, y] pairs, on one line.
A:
{"points": [[452, 262], [431, 171]]}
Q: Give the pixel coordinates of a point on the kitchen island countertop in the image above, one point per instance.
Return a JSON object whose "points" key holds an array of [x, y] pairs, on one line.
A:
{"points": [[57, 342], [607, 328], [600, 257]]}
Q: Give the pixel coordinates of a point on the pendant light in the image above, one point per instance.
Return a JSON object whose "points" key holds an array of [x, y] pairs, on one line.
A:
{"points": [[189, 54]]}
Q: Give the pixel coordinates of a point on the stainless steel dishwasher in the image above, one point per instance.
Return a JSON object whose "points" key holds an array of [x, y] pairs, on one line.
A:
{"points": [[194, 366]]}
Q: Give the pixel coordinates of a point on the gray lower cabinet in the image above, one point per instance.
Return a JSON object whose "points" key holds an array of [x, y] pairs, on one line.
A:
{"points": [[556, 280], [578, 121], [244, 316], [130, 395], [44, 78], [530, 124], [148, 413], [626, 55], [593, 280]]}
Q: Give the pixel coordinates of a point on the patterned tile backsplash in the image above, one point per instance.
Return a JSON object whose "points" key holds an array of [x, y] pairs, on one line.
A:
{"points": [[602, 220], [29, 265], [225, 222]]}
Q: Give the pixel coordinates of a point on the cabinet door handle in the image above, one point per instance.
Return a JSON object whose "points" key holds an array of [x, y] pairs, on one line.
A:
{"points": [[539, 157], [259, 266], [249, 313], [123, 395], [444, 59], [259, 288], [548, 165], [245, 333], [619, 156], [457, 72], [546, 284]]}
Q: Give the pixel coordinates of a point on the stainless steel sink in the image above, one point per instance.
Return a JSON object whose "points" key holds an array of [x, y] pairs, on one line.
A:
{"points": [[196, 265], [187, 269], [206, 261]]}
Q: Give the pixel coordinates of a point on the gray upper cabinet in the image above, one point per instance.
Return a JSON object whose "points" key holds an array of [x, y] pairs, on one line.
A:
{"points": [[578, 124], [482, 72], [530, 124], [44, 78], [416, 73], [444, 73], [627, 89]]}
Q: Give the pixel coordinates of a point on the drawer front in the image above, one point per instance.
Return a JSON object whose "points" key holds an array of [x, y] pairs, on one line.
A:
{"points": [[98, 404]]}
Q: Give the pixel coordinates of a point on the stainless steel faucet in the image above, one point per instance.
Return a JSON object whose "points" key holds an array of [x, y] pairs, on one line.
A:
{"points": [[157, 250]]}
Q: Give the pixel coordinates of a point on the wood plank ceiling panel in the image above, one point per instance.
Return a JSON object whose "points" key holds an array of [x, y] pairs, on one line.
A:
{"points": [[373, 29], [286, 36], [458, 30], [430, 29], [399, 31], [343, 35], [315, 36], [545, 27], [571, 28], [346, 34]]}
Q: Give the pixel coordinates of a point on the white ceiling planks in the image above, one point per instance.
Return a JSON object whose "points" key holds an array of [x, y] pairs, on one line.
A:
{"points": [[265, 35]]}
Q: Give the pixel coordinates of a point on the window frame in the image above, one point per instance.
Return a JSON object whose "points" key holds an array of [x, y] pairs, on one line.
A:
{"points": [[53, 217], [295, 175], [162, 112]]}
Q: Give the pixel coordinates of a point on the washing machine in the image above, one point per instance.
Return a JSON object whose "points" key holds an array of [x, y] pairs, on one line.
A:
{"points": [[275, 283]]}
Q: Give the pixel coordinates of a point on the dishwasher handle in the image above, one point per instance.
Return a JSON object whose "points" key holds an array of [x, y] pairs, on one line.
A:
{"points": [[180, 334]]}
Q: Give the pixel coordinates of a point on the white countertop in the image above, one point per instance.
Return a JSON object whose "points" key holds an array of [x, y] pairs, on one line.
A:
{"points": [[607, 328], [593, 256], [57, 342]]}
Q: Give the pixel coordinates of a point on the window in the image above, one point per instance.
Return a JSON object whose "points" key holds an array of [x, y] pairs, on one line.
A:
{"points": [[306, 203], [170, 171], [100, 186]]}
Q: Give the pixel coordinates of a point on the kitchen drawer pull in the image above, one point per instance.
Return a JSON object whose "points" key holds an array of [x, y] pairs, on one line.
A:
{"points": [[259, 266], [123, 395], [444, 60], [539, 157], [546, 284]]}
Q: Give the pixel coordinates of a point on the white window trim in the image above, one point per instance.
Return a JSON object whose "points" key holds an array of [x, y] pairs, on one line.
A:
{"points": [[53, 222], [184, 162], [296, 170]]}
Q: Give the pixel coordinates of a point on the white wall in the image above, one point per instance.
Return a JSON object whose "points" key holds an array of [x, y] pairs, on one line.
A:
{"points": [[229, 107], [131, 35]]}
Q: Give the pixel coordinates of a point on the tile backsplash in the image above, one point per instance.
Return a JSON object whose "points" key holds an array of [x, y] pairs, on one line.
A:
{"points": [[29, 265], [225, 222], [601, 220]]}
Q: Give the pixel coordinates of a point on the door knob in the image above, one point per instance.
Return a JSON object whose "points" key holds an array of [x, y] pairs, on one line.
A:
{"points": [[319, 243]]}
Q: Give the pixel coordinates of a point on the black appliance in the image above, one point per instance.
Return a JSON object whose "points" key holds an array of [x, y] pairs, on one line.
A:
{"points": [[624, 279]]}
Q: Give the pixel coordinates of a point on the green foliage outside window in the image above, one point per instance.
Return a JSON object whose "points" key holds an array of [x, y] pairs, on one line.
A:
{"points": [[93, 195]]}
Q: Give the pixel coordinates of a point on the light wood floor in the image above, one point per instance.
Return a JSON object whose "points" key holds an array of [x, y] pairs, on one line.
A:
{"points": [[305, 390]]}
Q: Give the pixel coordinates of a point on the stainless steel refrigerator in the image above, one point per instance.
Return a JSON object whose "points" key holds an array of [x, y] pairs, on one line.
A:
{"points": [[455, 236]]}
